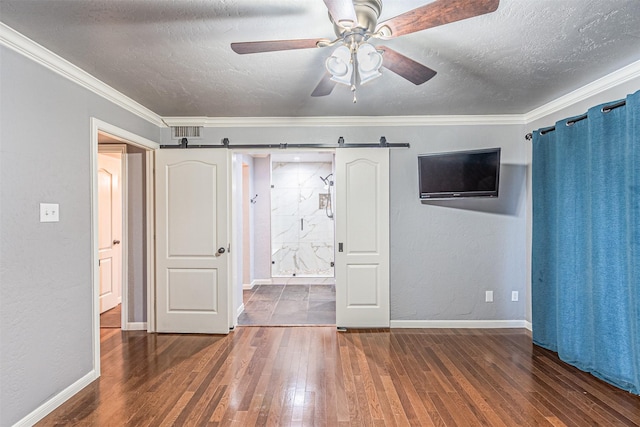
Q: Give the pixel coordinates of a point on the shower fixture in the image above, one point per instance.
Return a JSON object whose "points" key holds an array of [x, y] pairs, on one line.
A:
{"points": [[328, 209], [326, 180]]}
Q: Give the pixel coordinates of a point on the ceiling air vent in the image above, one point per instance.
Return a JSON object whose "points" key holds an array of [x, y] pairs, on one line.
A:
{"points": [[179, 132]]}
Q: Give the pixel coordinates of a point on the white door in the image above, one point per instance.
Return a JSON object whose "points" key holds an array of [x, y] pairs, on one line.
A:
{"points": [[362, 236], [191, 241], [110, 229]]}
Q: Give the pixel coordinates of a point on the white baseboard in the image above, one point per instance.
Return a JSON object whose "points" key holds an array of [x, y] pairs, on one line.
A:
{"points": [[257, 282], [136, 326], [47, 407], [453, 324], [303, 280], [528, 325], [240, 310], [291, 281]]}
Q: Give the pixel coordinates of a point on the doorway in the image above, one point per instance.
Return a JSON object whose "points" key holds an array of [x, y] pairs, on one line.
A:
{"points": [[287, 248], [362, 227], [137, 258], [302, 225]]}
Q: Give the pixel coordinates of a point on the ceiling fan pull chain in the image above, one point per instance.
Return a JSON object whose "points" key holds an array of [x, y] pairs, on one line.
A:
{"points": [[354, 62], [353, 85]]}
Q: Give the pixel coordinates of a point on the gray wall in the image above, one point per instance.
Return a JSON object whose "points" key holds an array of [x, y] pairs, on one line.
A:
{"points": [[444, 255], [136, 235], [45, 275]]}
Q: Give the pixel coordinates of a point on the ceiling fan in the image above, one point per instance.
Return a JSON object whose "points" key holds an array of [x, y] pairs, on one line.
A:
{"points": [[355, 23]]}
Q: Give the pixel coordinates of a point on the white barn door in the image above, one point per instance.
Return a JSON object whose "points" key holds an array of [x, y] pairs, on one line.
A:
{"points": [[192, 240], [362, 237]]}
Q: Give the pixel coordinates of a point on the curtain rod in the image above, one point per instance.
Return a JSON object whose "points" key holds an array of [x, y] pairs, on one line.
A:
{"points": [[605, 109], [184, 143]]}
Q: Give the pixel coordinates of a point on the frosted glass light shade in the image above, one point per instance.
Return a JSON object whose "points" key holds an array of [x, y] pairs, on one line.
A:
{"points": [[339, 65], [369, 63]]}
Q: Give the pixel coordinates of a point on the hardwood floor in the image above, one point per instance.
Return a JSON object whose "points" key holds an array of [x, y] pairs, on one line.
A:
{"points": [[281, 376], [112, 318]]}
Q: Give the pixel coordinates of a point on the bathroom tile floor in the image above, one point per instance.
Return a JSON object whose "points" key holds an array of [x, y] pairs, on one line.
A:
{"points": [[287, 305]]}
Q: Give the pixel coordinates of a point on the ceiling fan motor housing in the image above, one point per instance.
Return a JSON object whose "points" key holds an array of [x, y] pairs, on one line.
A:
{"points": [[367, 12]]}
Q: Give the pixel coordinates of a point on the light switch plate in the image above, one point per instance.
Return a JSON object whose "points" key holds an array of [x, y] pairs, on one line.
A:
{"points": [[488, 296], [49, 212], [514, 295]]}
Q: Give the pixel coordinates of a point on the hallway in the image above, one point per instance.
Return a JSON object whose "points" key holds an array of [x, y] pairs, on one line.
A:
{"points": [[289, 305], [112, 318]]}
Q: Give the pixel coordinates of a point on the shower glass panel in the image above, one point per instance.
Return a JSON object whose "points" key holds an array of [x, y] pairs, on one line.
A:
{"points": [[302, 231]]}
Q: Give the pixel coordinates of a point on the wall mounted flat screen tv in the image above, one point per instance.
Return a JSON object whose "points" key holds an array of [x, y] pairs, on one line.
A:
{"points": [[459, 174]]}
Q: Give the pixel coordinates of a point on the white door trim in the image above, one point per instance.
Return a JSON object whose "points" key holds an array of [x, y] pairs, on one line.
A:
{"points": [[233, 198], [127, 137]]}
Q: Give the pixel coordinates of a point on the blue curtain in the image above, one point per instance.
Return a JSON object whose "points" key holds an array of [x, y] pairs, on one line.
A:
{"points": [[586, 242]]}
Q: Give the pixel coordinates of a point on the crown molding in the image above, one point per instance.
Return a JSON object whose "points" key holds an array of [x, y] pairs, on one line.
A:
{"points": [[348, 121], [27, 47], [596, 87]]}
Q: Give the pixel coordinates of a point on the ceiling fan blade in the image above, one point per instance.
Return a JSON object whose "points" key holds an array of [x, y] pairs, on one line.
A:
{"points": [[405, 67], [273, 45], [431, 15], [342, 12], [325, 86]]}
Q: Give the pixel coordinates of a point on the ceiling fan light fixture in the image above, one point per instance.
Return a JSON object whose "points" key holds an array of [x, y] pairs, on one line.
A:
{"points": [[369, 61], [355, 22], [339, 65]]}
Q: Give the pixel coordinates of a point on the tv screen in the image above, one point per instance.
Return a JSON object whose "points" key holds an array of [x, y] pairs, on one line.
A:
{"points": [[459, 174]]}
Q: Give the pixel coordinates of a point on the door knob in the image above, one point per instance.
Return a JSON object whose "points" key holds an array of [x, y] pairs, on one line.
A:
{"points": [[116, 242], [221, 251]]}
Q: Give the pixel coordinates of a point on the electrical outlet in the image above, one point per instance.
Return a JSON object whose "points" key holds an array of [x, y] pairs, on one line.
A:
{"points": [[49, 212], [514, 295], [488, 296]]}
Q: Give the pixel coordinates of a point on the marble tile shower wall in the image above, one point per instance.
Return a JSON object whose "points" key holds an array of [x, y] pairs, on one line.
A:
{"points": [[302, 235]]}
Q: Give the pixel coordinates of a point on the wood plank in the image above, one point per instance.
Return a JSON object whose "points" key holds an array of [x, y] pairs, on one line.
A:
{"points": [[316, 376]]}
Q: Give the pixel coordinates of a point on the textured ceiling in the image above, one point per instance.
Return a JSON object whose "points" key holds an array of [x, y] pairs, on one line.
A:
{"points": [[174, 58]]}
